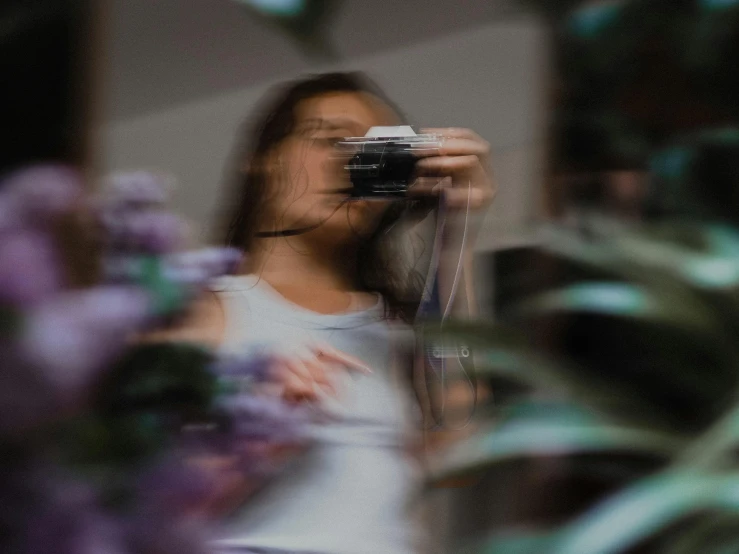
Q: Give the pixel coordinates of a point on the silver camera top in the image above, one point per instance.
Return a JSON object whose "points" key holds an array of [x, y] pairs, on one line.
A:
{"points": [[401, 137]]}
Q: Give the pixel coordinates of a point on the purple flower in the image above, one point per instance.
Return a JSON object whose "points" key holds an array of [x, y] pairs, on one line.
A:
{"points": [[256, 426], [136, 188], [197, 267], [29, 270], [264, 418], [194, 276], [148, 230], [75, 333], [130, 212], [222, 261], [62, 516], [11, 219], [27, 399], [157, 232], [168, 493], [172, 487], [121, 268], [44, 511], [243, 368], [155, 533], [67, 529], [42, 191]]}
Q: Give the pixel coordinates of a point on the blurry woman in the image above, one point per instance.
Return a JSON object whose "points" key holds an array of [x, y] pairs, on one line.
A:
{"points": [[323, 290]]}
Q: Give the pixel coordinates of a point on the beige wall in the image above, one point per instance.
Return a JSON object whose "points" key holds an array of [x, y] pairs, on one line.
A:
{"points": [[488, 78]]}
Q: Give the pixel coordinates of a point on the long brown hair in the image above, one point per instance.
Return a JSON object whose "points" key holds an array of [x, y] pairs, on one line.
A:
{"points": [[380, 261]]}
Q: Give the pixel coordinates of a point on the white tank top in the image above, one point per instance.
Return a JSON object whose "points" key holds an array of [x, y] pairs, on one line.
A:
{"points": [[352, 493]]}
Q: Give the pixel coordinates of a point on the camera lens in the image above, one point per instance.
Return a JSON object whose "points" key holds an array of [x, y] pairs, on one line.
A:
{"points": [[382, 170]]}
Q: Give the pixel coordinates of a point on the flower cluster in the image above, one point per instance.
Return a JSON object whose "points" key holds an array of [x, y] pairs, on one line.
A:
{"points": [[96, 431], [142, 242]]}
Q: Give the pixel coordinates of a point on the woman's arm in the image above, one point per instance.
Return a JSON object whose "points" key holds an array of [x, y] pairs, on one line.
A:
{"points": [[466, 181]]}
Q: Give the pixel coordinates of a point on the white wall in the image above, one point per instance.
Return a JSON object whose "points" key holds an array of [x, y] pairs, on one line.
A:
{"points": [[489, 78]]}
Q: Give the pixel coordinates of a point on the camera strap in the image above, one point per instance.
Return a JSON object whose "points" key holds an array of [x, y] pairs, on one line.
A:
{"points": [[445, 360]]}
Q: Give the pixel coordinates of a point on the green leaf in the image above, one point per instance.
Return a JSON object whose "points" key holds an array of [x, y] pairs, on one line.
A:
{"points": [[715, 444], [559, 429], [710, 269], [504, 353], [670, 257], [711, 534], [10, 321], [604, 253], [86, 441], [585, 387], [691, 267], [728, 545], [671, 332], [647, 507], [169, 297], [722, 240], [621, 300], [151, 392], [533, 542]]}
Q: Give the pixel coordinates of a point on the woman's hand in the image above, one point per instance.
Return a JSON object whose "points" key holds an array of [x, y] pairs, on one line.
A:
{"points": [[304, 377], [460, 169]]}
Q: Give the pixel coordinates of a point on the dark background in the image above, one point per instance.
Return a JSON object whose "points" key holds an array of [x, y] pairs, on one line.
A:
{"points": [[45, 94]]}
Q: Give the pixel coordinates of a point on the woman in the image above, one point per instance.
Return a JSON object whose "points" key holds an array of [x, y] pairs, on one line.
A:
{"points": [[321, 290]]}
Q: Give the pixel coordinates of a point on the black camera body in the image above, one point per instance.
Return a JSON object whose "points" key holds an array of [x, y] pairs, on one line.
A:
{"points": [[381, 170], [382, 167]]}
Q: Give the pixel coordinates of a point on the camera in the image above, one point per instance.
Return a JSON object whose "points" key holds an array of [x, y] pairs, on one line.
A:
{"points": [[381, 163]]}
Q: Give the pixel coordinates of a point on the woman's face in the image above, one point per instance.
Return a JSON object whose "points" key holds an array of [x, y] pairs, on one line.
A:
{"points": [[306, 173]]}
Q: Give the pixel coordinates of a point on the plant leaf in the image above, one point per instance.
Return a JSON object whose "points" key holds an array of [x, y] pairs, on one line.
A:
{"points": [[169, 297], [714, 268], [645, 508], [711, 534], [506, 354], [620, 300], [10, 321], [719, 441], [533, 542], [684, 261], [534, 429], [539, 372]]}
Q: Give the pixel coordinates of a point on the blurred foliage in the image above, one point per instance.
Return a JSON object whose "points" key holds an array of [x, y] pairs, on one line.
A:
{"points": [[141, 405], [696, 175], [615, 365], [632, 73], [639, 363]]}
